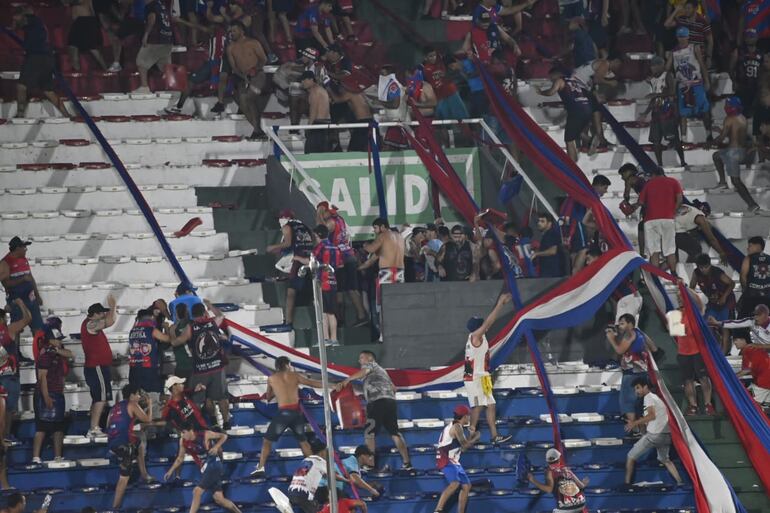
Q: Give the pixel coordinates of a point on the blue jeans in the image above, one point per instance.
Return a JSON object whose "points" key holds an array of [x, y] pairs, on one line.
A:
{"points": [[37, 319]]}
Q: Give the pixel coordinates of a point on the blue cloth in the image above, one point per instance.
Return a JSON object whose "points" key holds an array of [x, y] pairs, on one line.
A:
{"points": [[211, 479], [137, 9], [34, 309], [697, 106], [12, 388], [474, 80], [188, 299], [583, 50], [720, 313], [451, 107], [350, 465], [456, 473], [550, 266], [627, 395], [35, 37]]}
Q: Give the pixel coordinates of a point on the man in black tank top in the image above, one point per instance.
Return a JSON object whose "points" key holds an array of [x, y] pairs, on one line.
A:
{"points": [[755, 277], [457, 258], [297, 240]]}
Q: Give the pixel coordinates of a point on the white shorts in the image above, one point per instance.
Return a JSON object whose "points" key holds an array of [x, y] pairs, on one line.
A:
{"points": [[660, 237], [685, 218], [630, 304], [476, 395], [761, 395]]}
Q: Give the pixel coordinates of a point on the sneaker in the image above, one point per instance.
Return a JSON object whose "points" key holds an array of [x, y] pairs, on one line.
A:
{"points": [[259, 471], [95, 433], [692, 410], [59, 458], [272, 58], [172, 110], [257, 135], [407, 466], [37, 461], [115, 67], [710, 410], [218, 108], [500, 439], [227, 426]]}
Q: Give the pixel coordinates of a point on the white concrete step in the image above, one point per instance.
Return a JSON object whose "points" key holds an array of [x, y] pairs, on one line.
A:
{"points": [[78, 244], [696, 177], [105, 268], [732, 227], [27, 224], [94, 197], [197, 175], [138, 148], [618, 156], [721, 200]]}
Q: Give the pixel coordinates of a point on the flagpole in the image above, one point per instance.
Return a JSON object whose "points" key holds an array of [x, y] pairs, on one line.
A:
{"points": [[315, 268]]}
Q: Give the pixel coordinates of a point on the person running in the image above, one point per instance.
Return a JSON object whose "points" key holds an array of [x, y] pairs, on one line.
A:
{"points": [[381, 408], [575, 102], [451, 445], [658, 435], [563, 483], [205, 448], [477, 379], [692, 79], [729, 160], [122, 440], [298, 240], [665, 117], [283, 385], [388, 248]]}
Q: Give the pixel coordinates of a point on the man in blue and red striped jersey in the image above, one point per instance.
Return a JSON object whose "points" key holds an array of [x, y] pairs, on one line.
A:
{"points": [[755, 14]]}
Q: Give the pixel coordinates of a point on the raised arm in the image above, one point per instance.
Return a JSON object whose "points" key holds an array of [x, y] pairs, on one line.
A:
{"points": [[26, 317]]}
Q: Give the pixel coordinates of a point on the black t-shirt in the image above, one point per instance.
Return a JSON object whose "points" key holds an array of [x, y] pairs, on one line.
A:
{"points": [[35, 37], [458, 261], [550, 266]]}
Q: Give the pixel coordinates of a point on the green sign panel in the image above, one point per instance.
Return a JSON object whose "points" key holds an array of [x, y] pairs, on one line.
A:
{"points": [[344, 180]]}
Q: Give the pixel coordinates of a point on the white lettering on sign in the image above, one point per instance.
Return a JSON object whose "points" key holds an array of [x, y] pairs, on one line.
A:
{"points": [[341, 197], [390, 193], [415, 203], [365, 193]]}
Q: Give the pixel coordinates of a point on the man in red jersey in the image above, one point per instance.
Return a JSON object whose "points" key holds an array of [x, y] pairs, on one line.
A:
{"points": [[96, 349]]}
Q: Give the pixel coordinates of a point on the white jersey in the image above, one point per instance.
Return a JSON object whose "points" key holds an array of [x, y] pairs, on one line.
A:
{"points": [[760, 335], [584, 75], [686, 66], [658, 84], [476, 359], [308, 475], [449, 448]]}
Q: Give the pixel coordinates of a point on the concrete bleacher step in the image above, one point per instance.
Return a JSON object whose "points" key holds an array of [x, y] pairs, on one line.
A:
{"points": [[695, 177], [147, 150], [734, 228], [81, 221], [79, 176], [94, 197]]}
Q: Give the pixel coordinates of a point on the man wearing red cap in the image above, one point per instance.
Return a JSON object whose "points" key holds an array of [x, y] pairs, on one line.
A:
{"points": [[451, 444], [735, 130], [347, 275], [297, 239], [563, 483]]}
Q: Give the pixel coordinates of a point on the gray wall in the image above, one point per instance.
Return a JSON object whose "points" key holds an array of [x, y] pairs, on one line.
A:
{"points": [[425, 323], [279, 196]]}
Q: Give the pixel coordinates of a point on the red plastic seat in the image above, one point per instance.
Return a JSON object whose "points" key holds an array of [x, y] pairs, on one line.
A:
{"points": [[216, 162], [95, 165], [248, 162], [145, 118], [175, 77], [74, 142], [227, 138], [33, 167], [116, 119], [63, 166]]}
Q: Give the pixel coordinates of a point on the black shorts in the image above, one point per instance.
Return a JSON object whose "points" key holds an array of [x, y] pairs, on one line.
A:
{"points": [[215, 383], [330, 301], [225, 66], [692, 367], [126, 456], [99, 381], [49, 420], [211, 477], [307, 42], [85, 33], [318, 141], [296, 281], [663, 128], [283, 6], [577, 120], [130, 27], [341, 113], [347, 275], [205, 72], [301, 502], [381, 413], [579, 240], [287, 419], [37, 72], [147, 379]]}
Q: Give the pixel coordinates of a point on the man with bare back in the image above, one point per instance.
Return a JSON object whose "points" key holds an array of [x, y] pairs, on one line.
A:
{"points": [[359, 137], [388, 249], [735, 130], [284, 386], [316, 141]]}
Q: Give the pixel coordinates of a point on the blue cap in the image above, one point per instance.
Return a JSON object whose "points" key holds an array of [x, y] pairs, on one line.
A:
{"points": [[474, 323], [734, 101], [682, 32]]}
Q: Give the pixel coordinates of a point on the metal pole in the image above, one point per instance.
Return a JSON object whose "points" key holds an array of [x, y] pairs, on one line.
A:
{"points": [[315, 268]]}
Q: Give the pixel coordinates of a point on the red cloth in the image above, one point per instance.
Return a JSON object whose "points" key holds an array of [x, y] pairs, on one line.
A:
{"points": [[687, 345], [659, 198], [435, 75], [343, 506], [95, 347], [758, 362]]}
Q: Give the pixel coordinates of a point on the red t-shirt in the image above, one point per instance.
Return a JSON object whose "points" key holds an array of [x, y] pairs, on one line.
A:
{"points": [[686, 345], [343, 506], [758, 362], [435, 75], [659, 198], [95, 347]]}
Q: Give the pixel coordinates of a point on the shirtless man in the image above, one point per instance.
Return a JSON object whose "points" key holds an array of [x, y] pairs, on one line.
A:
{"points": [[284, 386], [247, 57], [388, 249], [735, 130], [421, 93], [316, 141], [359, 137], [85, 33]]}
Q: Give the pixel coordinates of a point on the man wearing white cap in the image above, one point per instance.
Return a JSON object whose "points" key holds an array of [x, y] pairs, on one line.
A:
{"points": [[563, 483], [180, 409]]}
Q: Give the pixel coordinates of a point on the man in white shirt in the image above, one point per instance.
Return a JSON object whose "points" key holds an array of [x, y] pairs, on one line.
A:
{"points": [[658, 435], [305, 481], [758, 326]]}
